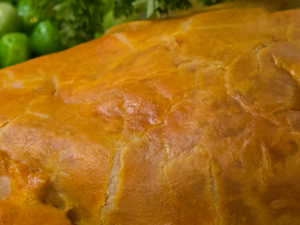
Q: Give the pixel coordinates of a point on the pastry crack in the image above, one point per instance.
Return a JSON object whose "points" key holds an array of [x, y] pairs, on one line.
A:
{"points": [[213, 191], [54, 85], [8, 123]]}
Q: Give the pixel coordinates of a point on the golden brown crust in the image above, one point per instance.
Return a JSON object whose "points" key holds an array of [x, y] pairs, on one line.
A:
{"points": [[186, 121], [14, 214]]}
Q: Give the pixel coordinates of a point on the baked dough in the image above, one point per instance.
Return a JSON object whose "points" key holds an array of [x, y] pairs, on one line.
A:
{"points": [[178, 122]]}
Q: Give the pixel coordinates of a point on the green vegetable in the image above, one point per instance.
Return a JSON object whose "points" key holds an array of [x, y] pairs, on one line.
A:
{"points": [[108, 5], [98, 34], [29, 16], [13, 2], [109, 19], [14, 49], [45, 39], [151, 7], [78, 20], [211, 2], [155, 7], [9, 20], [81, 20]]}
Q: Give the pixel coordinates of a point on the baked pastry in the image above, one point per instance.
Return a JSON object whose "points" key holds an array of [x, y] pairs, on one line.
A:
{"points": [[186, 121]]}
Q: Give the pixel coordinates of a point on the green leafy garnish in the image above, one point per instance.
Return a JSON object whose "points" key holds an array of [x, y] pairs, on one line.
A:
{"points": [[79, 21], [151, 7], [211, 2], [154, 8]]}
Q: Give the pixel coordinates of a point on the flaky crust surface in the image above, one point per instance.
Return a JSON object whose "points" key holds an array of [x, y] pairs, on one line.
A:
{"points": [[187, 121]]}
